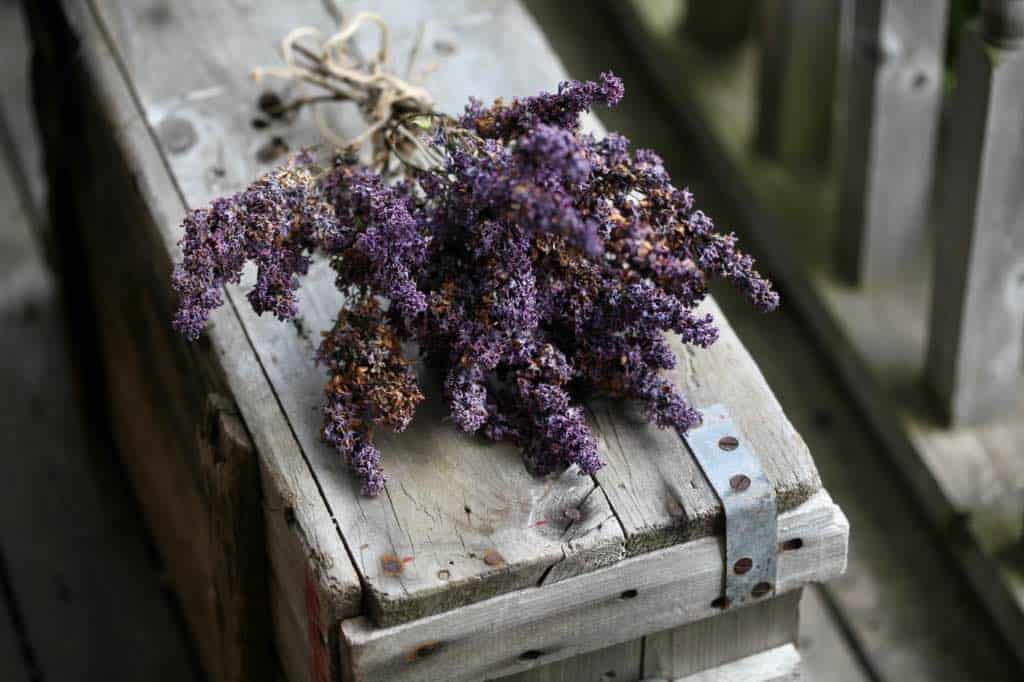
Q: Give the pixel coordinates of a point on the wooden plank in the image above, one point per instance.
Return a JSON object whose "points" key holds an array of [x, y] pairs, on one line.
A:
{"points": [[621, 662], [976, 341], [662, 498], [824, 648], [894, 91], [796, 82], [710, 644], [874, 338], [721, 27], [212, 96], [132, 182], [72, 558], [19, 140], [659, 590], [781, 664]]}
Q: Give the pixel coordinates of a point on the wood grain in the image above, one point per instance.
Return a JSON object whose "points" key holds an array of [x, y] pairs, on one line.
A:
{"points": [[894, 83], [781, 664], [976, 342], [711, 643], [656, 591], [618, 663]]}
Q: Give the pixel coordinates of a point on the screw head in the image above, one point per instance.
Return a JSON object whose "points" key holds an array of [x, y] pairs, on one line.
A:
{"points": [[760, 590], [728, 443], [743, 565]]}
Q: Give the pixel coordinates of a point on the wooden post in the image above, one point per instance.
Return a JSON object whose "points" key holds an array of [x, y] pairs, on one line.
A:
{"points": [[974, 355], [797, 80], [720, 27], [892, 100]]}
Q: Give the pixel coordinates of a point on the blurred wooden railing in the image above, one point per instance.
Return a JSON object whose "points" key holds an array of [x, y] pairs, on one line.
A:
{"points": [[880, 180]]}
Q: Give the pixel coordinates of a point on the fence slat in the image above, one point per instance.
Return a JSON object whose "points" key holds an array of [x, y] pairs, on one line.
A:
{"points": [[975, 347], [719, 27], [797, 80], [894, 81]]}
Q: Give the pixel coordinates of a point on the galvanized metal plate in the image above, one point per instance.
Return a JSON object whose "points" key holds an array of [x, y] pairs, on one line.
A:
{"points": [[748, 498]]}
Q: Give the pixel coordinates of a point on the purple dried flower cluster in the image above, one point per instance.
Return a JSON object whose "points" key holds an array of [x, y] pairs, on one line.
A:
{"points": [[537, 263]]}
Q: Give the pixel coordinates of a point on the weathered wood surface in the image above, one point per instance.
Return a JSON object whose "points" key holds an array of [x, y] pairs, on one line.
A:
{"points": [[710, 644], [73, 561], [702, 645], [826, 652], [894, 85], [796, 80], [621, 662], [875, 337], [976, 339], [656, 591], [423, 515], [781, 664], [19, 140]]}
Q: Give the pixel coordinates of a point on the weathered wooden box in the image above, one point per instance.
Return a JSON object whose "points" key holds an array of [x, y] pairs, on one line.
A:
{"points": [[467, 568]]}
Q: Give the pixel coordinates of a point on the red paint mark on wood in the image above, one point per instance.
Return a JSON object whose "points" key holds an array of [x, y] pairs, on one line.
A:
{"points": [[407, 559], [539, 523], [317, 649]]}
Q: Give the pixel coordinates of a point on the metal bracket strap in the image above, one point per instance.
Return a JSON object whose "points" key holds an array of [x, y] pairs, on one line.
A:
{"points": [[748, 498]]}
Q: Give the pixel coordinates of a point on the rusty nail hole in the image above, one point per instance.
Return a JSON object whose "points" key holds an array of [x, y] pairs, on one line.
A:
{"points": [[444, 47], [531, 655], [721, 602], [493, 558], [391, 564], [259, 123], [761, 589], [789, 545], [743, 565], [628, 594], [424, 650], [467, 509], [573, 514], [444, 574], [739, 482], [728, 443]]}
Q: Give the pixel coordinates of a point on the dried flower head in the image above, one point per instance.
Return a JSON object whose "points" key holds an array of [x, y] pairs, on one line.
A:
{"points": [[532, 263]]}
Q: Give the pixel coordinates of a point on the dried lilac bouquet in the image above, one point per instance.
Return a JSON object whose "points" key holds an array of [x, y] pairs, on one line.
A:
{"points": [[530, 262]]}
